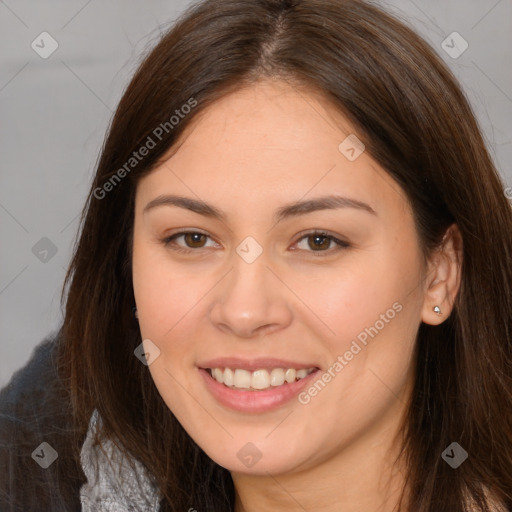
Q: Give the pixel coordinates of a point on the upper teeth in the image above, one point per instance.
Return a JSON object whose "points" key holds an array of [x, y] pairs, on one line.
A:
{"points": [[259, 379]]}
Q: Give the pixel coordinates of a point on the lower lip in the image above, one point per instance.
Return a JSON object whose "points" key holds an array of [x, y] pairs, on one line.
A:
{"points": [[255, 401]]}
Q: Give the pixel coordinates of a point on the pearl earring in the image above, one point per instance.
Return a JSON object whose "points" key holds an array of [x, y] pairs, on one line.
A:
{"points": [[135, 314], [437, 310]]}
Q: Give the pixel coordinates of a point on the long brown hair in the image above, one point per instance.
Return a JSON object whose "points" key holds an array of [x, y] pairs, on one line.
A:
{"points": [[416, 122]]}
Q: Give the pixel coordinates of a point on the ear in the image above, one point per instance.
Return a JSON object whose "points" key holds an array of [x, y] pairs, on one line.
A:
{"points": [[443, 278]]}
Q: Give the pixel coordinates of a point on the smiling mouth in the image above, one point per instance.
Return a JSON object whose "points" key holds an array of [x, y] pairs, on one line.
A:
{"points": [[259, 379]]}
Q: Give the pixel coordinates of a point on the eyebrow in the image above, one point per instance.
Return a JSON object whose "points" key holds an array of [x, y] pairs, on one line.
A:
{"points": [[330, 202]]}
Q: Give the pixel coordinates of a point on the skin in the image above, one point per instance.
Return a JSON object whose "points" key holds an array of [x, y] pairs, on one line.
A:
{"points": [[249, 154]]}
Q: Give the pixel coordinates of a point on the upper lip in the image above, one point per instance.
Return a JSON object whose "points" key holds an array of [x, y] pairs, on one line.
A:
{"points": [[254, 364]]}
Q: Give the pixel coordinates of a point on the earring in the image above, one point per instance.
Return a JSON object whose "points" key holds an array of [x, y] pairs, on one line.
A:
{"points": [[135, 314], [437, 310]]}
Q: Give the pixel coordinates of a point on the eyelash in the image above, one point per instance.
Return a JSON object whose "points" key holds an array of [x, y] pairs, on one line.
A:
{"points": [[340, 243]]}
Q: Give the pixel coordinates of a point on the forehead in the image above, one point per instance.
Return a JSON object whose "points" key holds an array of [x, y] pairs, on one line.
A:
{"points": [[269, 140], [269, 116]]}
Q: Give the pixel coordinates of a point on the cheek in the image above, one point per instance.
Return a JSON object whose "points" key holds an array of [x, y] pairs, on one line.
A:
{"points": [[176, 389], [342, 301], [165, 292], [366, 312]]}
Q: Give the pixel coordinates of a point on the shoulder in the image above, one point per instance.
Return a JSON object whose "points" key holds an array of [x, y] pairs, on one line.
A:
{"points": [[37, 369], [39, 469]]}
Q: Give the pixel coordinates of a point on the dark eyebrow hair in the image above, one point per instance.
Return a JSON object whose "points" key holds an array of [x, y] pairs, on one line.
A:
{"points": [[293, 209]]}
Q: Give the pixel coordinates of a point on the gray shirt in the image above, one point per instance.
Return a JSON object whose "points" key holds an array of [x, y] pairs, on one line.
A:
{"points": [[115, 483]]}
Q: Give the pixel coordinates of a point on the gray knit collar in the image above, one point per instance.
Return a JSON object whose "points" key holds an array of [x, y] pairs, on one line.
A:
{"points": [[115, 483]]}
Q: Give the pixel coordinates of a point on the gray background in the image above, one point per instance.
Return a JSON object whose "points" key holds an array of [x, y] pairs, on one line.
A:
{"points": [[54, 113]]}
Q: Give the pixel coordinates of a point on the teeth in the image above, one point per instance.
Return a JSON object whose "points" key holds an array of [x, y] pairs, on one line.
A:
{"points": [[259, 379], [290, 375], [242, 379], [219, 375], [277, 377], [228, 376]]}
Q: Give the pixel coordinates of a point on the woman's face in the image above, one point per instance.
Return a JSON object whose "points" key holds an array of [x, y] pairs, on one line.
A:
{"points": [[257, 290]]}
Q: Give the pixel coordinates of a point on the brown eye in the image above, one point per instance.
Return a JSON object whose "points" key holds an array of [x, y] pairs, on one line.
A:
{"points": [[319, 242], [193, 240]]}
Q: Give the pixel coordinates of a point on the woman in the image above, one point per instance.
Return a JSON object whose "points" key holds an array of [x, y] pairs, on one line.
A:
{"points": [[292, 286]]}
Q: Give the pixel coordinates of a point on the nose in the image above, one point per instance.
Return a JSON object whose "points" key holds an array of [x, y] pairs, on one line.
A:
{"points": [[251, 301]]}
